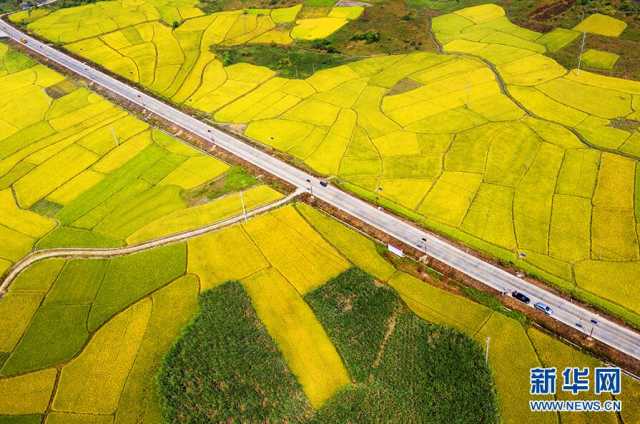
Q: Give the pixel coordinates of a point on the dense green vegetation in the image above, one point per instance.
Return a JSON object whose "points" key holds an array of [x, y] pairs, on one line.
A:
{"points": [[299, 61], [9, 5], [226, 367], [404, 369], [212, 6]]}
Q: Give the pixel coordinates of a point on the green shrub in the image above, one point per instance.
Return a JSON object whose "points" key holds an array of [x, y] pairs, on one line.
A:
{"points": [[298, 61], [368, 37]]}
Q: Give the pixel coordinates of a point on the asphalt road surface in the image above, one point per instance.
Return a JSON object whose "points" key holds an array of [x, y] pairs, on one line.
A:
{"points": [[604, 330]]}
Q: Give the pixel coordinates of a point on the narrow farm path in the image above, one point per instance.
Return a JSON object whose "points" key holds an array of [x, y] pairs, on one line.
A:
{"points": [[71, 252]]}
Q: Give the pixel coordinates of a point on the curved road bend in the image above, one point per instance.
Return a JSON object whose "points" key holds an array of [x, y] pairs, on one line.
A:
{"points": [[606, 331], [39, 255]]}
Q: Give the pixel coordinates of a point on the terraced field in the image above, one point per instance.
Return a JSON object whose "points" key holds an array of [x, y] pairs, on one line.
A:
{"points": [[133, 40], [66, 324], [78, 171], [490, 142]]}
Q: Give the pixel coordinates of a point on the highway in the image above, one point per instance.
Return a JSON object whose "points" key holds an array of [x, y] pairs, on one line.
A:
{"points": [[604, 330]]}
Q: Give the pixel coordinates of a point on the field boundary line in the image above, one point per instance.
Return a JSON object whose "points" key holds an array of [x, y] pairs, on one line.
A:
{"points": [[88, 253]]}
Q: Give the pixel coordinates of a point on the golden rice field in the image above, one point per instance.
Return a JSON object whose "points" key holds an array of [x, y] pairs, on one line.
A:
{"points": [[495, 144], [78, 171], [132, 39], [75, 352]]}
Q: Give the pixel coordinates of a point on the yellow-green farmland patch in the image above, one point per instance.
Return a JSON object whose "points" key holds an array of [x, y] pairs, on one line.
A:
{"points": [[199, 216], [82, 387], [111, 376], [29, 393], [355, 247], [138, 44], [602, 25], [558, 38], [84, 173], [600, 59], [427, 135], [222, 256], [294, 249]]}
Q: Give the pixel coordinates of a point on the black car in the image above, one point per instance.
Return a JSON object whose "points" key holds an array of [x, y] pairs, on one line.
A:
{"points": [[521, 297]]}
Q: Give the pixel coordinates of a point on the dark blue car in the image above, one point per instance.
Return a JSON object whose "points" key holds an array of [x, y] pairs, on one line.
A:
{"points": [[521, 297]]}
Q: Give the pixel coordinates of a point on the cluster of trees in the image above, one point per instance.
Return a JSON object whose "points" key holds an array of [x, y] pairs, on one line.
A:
{"points": [[626, 7]]}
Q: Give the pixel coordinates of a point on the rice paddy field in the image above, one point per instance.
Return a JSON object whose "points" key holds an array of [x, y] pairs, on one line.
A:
{"points": [[489, 141], [322, 337], [78, 171]]}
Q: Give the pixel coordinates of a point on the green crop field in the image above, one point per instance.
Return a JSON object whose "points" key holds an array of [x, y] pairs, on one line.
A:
{"points": [[77, 171], [92, 335], [491, 141]]}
